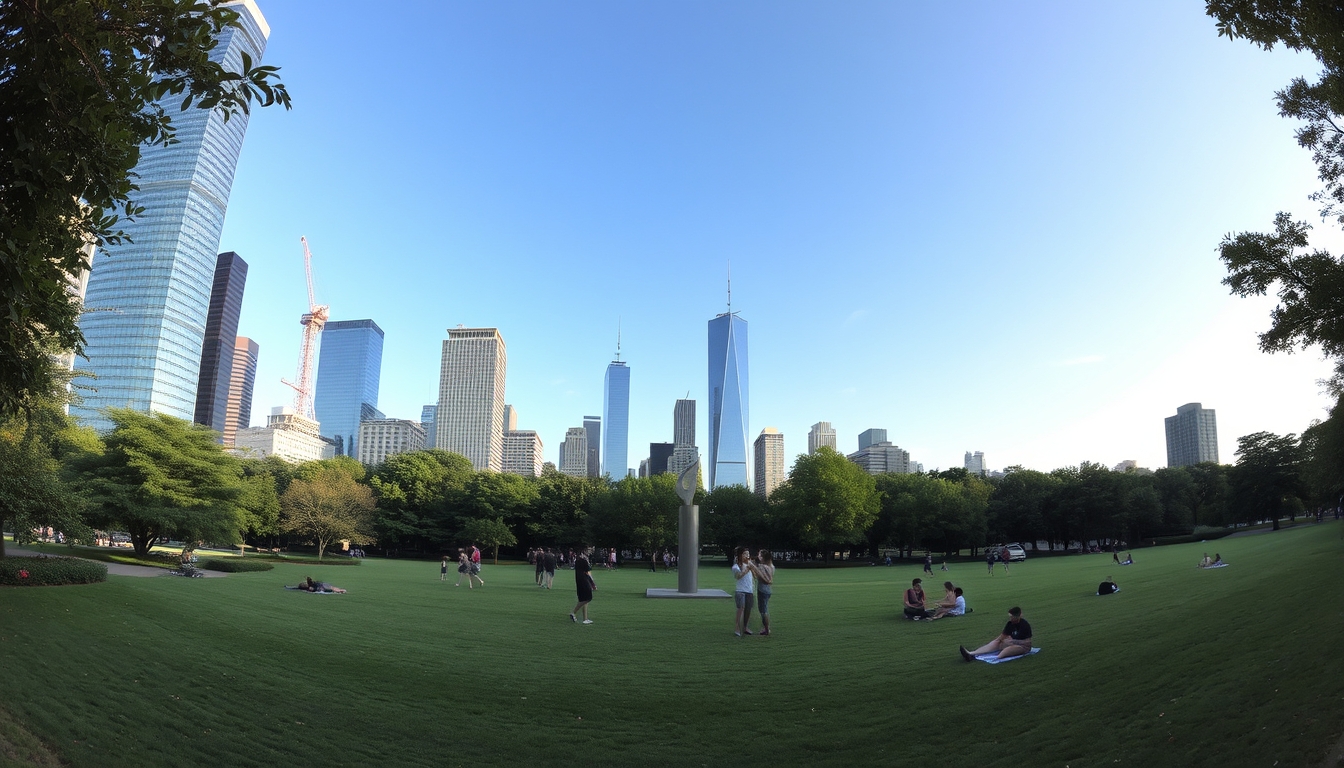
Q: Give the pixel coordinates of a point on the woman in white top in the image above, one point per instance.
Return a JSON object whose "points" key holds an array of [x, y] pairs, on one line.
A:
{"points": [[745, 591], [765, 576]]}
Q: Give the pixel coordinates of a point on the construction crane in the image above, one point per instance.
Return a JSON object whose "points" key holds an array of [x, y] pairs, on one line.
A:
{"points": [[312, 321]]}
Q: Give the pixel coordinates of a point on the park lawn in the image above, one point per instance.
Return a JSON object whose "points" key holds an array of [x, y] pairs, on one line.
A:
{"points": [[1236, 666]]}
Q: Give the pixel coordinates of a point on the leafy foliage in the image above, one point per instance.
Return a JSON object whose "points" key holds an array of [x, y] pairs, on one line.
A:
{"points": [[1266, 481], [329, 507], [235, 565], [827, 500], [492, 533], [49, 571]]}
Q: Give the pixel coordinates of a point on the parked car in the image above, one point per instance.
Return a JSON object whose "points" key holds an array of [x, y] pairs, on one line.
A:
{"points": [[1016, 553]]}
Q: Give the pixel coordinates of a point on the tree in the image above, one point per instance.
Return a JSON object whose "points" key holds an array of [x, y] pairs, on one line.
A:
{"points": [[636, 510], [490, 533], [1323, 454], [734, 516], [1020, 506], [328, 507], [414, 491], [159, 477], [828, 500], [1266, 480], [560, 514], [83, 84]]}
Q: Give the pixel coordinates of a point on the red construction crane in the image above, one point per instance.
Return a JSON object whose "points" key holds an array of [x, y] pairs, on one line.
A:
{"points": [[312, 321]]}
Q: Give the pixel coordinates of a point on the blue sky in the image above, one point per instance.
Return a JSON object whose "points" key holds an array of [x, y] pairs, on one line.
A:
{"points": [[981, 227]]}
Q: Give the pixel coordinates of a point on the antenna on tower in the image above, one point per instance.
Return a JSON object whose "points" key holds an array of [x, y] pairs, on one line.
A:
{"points": [[730, 286], [618, 338]]}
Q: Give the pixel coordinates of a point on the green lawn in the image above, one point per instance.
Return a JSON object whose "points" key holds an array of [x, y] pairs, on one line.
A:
{"points": [[1238, 666]]}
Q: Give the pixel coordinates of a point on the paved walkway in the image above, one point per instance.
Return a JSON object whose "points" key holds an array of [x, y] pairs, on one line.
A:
{"points": [[116, 569]]}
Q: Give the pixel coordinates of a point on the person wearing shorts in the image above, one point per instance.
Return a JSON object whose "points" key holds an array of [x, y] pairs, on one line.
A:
{"points": [[765, 578], [463, 566], [584, 586], [1015, 640], [550, 561], [744, 594], [443, 569]]}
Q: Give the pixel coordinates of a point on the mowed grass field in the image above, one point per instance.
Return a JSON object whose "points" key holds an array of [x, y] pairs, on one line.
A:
{"points": [[1241, 666]]}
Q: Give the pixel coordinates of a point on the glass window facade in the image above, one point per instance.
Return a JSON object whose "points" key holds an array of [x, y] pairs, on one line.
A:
{"points": [[348, 369], [221, 333], [728, 401], [616, 420]]}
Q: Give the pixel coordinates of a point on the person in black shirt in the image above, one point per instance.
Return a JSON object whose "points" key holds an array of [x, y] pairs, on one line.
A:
{"points": [[1108, 587], [1015, 640], [583, 582]]}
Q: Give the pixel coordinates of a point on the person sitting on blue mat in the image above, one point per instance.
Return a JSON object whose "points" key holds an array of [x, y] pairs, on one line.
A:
{"points": [[1015, 640]]}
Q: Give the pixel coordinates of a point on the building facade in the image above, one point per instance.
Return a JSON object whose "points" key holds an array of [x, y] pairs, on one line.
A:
{"points": [[975, 463], [616, 420], [349, 367], [770, 470], [684, 450], [1192, 436], [574, 452], [221, 336], [470, 418], [882, 458], [660, 457], [523, 453], [872, 437], [287, 435], [729, 401], [380, 438], [593, 425], [242, 378], [510, 418], [154, 288], [427, 421], [821, 434]]}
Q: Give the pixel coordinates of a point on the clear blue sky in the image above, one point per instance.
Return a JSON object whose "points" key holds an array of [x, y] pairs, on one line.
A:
{"points": [[983, 227]]}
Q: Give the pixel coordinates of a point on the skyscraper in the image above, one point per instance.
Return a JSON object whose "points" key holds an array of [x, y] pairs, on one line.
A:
{"points": [[574, 452], [975, 462], [1192, 436], [872, 437], [221, 334], [820, 435], [427, 421], [243, 375], [155, 286], [683, 437], [348, 370], [593, 426], [616, 419], [510, 418], [729, 411], [660, 454], [523, 453], [769, 461], [882, 458], [470, 418], [381, 438]]}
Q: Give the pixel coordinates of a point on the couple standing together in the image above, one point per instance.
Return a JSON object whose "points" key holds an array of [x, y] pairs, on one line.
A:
{"points": [[754, 578]]}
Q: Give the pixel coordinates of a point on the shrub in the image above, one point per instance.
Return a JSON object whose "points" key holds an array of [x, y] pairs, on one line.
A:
{"points": [[49, 571], [234, 565]]}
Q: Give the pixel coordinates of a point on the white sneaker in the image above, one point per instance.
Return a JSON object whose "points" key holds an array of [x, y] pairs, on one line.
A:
{"points": [[587, 621], [572, 617]]}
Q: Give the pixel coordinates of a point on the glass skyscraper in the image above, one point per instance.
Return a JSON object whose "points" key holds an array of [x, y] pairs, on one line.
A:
{"points": [[728, 401], [348, 368], [616, 420], [221, 334], [150, 295]]}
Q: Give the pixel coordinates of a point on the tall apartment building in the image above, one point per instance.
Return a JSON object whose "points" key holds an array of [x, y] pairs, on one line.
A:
{"points": [[684, 450], [1192, 436], [616, 419], [470, 418], [349, 367], [287, 435], [427, 421], [975, 463], [729, 401], [882, 458], [242, 377], [154, 287], [381, 438], [660, 454], [523, 453], [574, 452], [221, 335], [769, 461], [872, 437], [820, 435], [593, 426], [510, 418]]}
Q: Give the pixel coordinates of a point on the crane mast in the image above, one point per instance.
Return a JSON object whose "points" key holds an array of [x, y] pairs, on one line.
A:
{"points": [[312, 321]]}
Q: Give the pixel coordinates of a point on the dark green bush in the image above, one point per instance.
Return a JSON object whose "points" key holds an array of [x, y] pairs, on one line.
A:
{"points": [[49, 571], [234, 565], [328, 560]]}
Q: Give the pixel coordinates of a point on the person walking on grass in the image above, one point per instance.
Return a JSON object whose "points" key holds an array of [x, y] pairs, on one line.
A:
{"points": [[1015, 640], [584, 585], [550, 561], [744, 593], [463, 568], [1004, 557], [928, 563], [540, 561], [989, 559], [765, 577], [443, 569]]}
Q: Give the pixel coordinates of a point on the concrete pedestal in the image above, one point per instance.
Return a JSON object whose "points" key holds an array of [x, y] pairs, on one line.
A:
{"points": [[688, 560]]}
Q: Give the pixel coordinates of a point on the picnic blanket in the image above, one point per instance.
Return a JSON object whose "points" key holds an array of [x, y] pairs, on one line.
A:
{"points": [[1215, 565], [301, 589], [990, 658]]}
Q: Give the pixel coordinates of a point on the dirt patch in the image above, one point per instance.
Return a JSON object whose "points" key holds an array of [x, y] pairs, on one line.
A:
{"points": [[18, 745]]}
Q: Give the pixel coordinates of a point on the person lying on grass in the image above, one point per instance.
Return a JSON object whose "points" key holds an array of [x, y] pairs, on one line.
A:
{"points": [[1108, 587], [1015, 640], [308, 585]]}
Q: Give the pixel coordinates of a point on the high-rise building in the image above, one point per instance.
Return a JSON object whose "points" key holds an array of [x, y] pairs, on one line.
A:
{"points": [[975, 463], [660, 454], [684, 450], [523, 453], [820, 435], [221, 334], [729, 401], [380, 438], [593, 425], [510, 418], [1192, 436], [243, 375], [769, 461], [882, 458], [574, 452], [643, 468], [470, 419], [348, 370], [427, 421], [616, 419], [287, 435], [154, 287], [872, 437]]}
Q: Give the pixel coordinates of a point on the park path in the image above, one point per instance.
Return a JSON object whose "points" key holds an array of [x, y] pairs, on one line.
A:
{"points": [[116, 569]]}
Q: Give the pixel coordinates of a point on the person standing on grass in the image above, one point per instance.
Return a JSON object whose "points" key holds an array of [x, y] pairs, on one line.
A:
{"points": [[1004, 555], [765, 577], [1015, 640], [443, 569], [584, 585], [463, 568], [540, 560], [745, 591], [550, 562], [989, 559], [928, 563]]}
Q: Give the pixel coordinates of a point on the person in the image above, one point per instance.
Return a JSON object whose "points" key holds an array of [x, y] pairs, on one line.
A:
{"points": [[958, 607], [1015, 640], [765, 578], [550, 561], [584, 585], [1129, 559], [1004, 557], [914, 601], [1108, 587], [463, 568], [321, 586], [744, 591], [1217, 560], [540, 560], [443, 569], [944, 568], [1206, 562], [1116, 557], [928, 563], [989, 559], [474, 567]]}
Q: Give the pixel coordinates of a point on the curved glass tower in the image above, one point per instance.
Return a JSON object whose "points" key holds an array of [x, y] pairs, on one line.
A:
{"points": [[728, 401]]}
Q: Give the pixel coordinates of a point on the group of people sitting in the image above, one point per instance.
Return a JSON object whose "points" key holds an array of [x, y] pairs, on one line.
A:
{"points": [[308, 585], [952, 604], [1216, 562]]}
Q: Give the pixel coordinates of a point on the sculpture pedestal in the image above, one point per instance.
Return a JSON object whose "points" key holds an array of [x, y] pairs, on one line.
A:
{"points": [[676, 593], [688, 560]]}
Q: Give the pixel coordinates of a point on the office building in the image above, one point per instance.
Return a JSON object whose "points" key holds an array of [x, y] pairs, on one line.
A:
{"points": [[882, 458], [242, 377], [684, 450], [574, 452], [221, 335], [660, 454], [1192, 436], [769, 461], [872, 437], [643, 468], [348, 370], [510, 418], [1126, 466], [380, 438], [523, 453], [470, 418], [975, 463], [427, 421], [820, 435], [151, 292], [616, 419], [287, 435], [729, 401], [593, 426]]}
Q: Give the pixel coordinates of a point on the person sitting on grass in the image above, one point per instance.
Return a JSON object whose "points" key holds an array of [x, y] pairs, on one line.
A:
{"points": [[1129, 559], [1108, 587], [1206, 562], [958, 607], [914, 601], [1015, 640]]}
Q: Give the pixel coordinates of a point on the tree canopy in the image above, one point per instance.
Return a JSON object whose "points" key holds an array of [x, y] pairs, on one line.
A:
{"points": [[328, 506]]}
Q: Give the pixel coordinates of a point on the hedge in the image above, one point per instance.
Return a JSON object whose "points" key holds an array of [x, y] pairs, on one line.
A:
{"points": [[234, 565], [49, 571]]}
